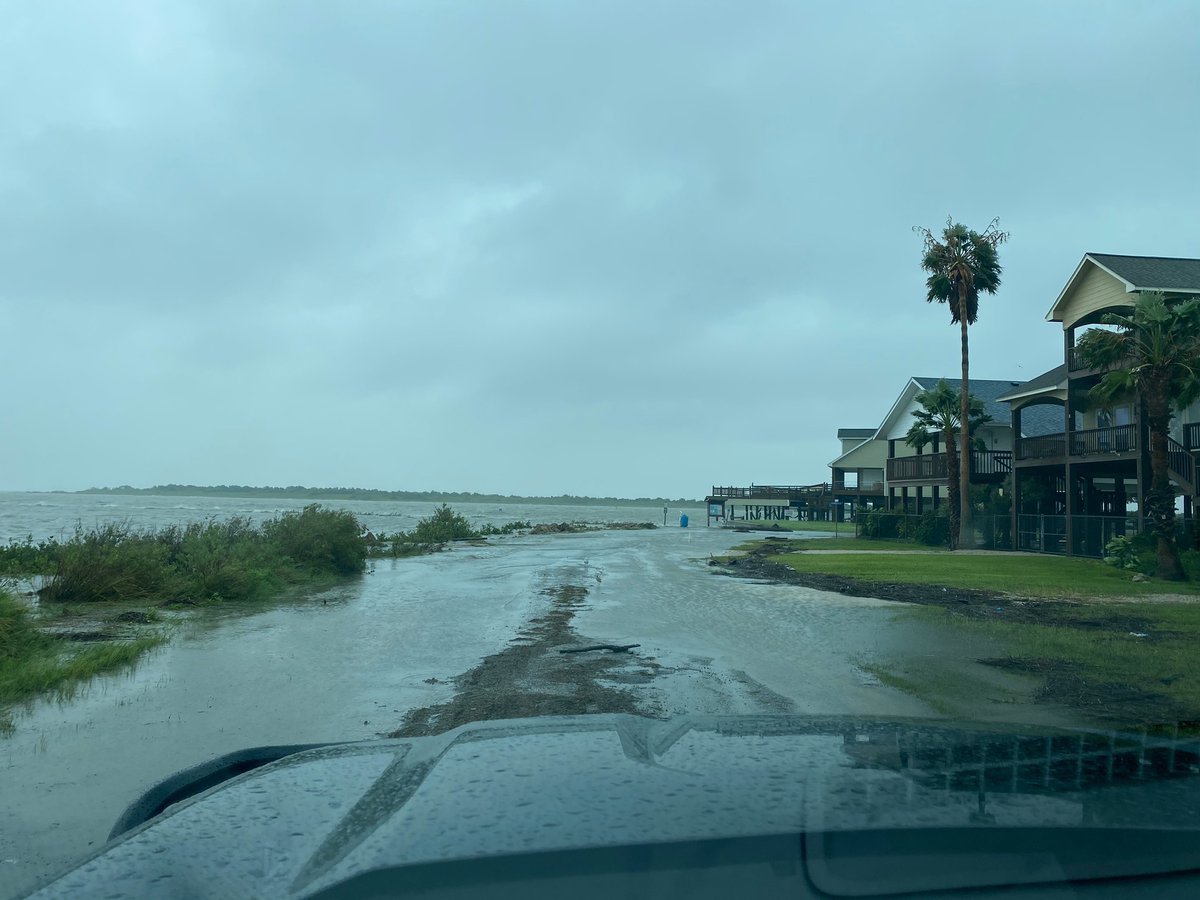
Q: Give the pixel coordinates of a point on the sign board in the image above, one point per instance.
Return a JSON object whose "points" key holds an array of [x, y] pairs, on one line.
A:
{"points": [[716, 509]]}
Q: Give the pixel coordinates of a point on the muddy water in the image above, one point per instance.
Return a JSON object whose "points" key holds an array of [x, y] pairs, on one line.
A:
{"points": [[348, 664]]}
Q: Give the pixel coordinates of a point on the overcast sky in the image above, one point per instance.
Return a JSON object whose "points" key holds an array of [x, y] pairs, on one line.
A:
{"points": [[593, 248]]}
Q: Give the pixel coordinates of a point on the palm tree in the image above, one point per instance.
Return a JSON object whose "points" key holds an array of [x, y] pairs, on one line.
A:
{"points": [[1154, 355], [940, 409], [961, 264]]}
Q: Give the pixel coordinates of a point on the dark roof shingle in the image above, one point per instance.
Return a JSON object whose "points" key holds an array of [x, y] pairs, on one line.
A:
{"points": [[1153, 272]]}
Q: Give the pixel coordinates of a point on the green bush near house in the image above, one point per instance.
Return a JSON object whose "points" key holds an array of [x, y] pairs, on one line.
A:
{"points": [[931, 528]]}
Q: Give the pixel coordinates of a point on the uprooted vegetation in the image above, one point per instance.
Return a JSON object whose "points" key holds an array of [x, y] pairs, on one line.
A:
{"points": [[434, 532], [444, 526]]}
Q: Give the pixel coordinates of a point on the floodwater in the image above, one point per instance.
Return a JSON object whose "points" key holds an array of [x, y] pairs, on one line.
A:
{"points": [[347, 664]]}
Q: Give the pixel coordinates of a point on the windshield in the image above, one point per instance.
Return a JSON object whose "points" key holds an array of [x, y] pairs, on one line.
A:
{"points": [[378, 369]]}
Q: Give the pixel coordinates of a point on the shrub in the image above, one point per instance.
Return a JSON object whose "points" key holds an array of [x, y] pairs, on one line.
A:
{"points": [[231, 560], [319, 539], [112, 562], [880, 524], [1122, 552], [1191, 564], [225, 560], [27, 558], [444, 525], [932, 529]]}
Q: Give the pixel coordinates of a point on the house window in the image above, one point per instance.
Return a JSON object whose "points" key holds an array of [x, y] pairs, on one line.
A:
{"points": [[1104, 418], [1123, 415]]}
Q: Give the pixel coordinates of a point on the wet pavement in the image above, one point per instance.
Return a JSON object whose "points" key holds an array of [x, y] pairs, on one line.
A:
{"points": [[349, 664]]}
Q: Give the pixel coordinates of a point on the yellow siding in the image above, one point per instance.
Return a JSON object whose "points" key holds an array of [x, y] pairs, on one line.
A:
{"points": [[870, 456], [1093, 290]]}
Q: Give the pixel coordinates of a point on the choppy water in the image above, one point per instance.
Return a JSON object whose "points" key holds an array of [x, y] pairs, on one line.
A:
{"points": [[56, 515]]}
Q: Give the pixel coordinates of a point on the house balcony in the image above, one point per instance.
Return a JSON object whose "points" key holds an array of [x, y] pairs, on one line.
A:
{"points": [[1049, 449], [1116, 444], [987, 466]]}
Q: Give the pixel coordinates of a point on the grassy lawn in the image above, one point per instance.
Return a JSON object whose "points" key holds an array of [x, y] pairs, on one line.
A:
{"points": [[1121, 661], [1125, 662], [1032, 576]]}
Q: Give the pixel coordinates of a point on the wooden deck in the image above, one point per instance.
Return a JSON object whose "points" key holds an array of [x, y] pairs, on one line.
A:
{"points": [[987, 466]]}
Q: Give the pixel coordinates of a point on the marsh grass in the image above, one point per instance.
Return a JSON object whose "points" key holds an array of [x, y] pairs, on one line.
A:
{"points": [[34, 663], [233, 560]]}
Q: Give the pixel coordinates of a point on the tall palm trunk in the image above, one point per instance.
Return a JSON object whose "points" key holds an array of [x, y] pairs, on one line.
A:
{"points": [[1160, 501], [965, 531], [952, 507]]}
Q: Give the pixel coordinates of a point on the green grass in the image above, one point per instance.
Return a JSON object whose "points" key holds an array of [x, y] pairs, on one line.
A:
{"points": [[1090, 658], [1032, 576], [33, 662], [925, 692]]}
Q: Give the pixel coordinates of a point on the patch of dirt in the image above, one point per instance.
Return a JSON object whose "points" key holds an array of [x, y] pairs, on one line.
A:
{"points": [[531, 678]]}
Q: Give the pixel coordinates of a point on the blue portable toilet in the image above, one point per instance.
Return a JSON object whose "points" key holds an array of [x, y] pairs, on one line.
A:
{"points": [[683, 521]]}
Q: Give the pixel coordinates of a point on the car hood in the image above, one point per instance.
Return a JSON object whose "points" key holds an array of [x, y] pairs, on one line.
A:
{"points": [[314, 819]]}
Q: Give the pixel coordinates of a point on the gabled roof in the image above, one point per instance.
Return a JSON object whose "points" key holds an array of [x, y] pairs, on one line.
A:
{"points": [[1171, 274], [1153, 273], [860, 434], [1053, 380]]}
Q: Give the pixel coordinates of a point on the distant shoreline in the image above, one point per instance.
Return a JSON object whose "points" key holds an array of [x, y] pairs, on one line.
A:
{"points": [[296, 492]]}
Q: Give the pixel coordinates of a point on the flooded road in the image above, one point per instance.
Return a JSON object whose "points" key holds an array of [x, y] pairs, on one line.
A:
{"points": [[348, 664]]}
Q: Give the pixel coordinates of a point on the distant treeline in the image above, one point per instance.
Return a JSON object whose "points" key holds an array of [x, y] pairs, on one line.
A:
{"points": [[299, 492]]}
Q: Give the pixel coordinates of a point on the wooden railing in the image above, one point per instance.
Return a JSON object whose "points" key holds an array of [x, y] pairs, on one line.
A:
{"points": [[991, 462], [917, 468], [1076, 364], [865, 487], [1179, 460], [931, 466], [1046, 446], [1191, 436], [770, 491], [1117, 439]]}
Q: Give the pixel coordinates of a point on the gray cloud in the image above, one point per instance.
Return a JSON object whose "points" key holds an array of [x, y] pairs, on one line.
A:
{"points": [[543, 247]]}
